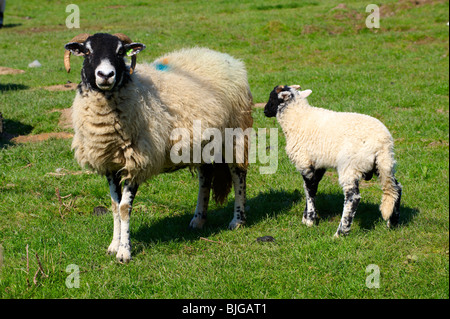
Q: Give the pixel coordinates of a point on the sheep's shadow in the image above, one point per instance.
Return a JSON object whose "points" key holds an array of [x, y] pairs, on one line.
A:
{"points": [[259, 207], [271, 203]]}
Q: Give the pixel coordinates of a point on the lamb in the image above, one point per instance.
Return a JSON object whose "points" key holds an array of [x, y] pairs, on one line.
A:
{"points": [[356, 145], [124, 117]]}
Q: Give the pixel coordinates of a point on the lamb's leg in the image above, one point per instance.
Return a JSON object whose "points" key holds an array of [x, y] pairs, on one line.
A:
{"points": [[352, 198], [311, 183], [129, 192], [394, 219], [238, 177], [205, 173], [115, 190]]}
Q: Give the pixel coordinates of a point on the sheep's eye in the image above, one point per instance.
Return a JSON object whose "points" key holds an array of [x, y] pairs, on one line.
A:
{"points": [[120, 52]]}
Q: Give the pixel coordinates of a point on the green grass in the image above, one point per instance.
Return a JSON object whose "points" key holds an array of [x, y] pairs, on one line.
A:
{"points": [[398, 73]]}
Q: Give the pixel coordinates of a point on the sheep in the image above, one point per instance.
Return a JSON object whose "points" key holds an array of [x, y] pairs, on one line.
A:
{"points": [[124, 119], [356, 145]]}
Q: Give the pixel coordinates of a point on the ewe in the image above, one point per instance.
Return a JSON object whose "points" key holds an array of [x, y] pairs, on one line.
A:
{"points": [[123, 118], [356, 145]]}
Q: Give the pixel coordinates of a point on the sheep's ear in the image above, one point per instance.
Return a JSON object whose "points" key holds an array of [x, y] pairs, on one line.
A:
{"points": [[134, 48], [304, 94], [295, 86], [76, 48], [285, 95]]}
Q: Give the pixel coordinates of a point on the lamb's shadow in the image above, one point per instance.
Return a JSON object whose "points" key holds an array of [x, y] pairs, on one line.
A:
{"points": [[329, 206], [260, 207]]}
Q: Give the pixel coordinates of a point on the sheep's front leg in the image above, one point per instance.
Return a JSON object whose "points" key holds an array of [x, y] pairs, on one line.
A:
{"points": [[352, 198], [205, 173], [129, 192], [238, 177], [115, 191], [311, 180]]}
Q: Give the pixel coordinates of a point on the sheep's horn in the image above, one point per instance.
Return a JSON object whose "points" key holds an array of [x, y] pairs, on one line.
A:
{"points": [[126, 39], [80, 39]]}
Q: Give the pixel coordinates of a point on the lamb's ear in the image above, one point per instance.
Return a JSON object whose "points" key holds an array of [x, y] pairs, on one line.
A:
{"points": [[295, 86], [278, 88], [285, 95], [304, 94]]}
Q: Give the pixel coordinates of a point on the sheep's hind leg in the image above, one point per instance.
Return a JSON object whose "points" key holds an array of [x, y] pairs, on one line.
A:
{"points": [[115, 190], [311, 183], [205, 173], [352, 198], [129, 192], [238, 177]]}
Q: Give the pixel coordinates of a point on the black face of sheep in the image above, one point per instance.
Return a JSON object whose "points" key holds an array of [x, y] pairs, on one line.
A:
{"points": [[104, 67], [271, 108]]}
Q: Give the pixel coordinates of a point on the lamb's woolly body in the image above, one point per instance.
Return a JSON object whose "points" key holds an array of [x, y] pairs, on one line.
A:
{"points": [[129, 130], [323, 138], [357, 145]]}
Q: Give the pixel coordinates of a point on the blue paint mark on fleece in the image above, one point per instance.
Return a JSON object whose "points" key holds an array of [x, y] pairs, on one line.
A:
{"points": [[161, 66]]}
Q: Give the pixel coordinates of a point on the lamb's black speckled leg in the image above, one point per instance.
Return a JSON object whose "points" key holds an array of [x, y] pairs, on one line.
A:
{"points": [[352, 198], [395, 217], [239, 177], [311, 180], [205, 173]]}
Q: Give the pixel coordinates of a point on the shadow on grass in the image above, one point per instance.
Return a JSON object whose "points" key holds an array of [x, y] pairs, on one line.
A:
{"points": [[266, 204], [12, 129], [12, 87], [11, 25], [329, 206], [171, 228]]}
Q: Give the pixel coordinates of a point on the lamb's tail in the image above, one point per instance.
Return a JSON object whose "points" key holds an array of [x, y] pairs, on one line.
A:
{"points": [[221, 182], [392, 189]]}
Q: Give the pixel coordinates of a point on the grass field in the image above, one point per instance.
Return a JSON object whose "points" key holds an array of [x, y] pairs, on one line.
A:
{"points": [[398, 73]]}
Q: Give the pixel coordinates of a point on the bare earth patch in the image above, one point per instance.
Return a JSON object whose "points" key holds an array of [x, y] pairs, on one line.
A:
{"points": [[40, 137], [65, 122], [5, 70], [61, 87], [65, 119]]}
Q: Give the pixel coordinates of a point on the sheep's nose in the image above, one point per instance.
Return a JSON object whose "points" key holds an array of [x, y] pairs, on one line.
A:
{"points": [[105, 76]]}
